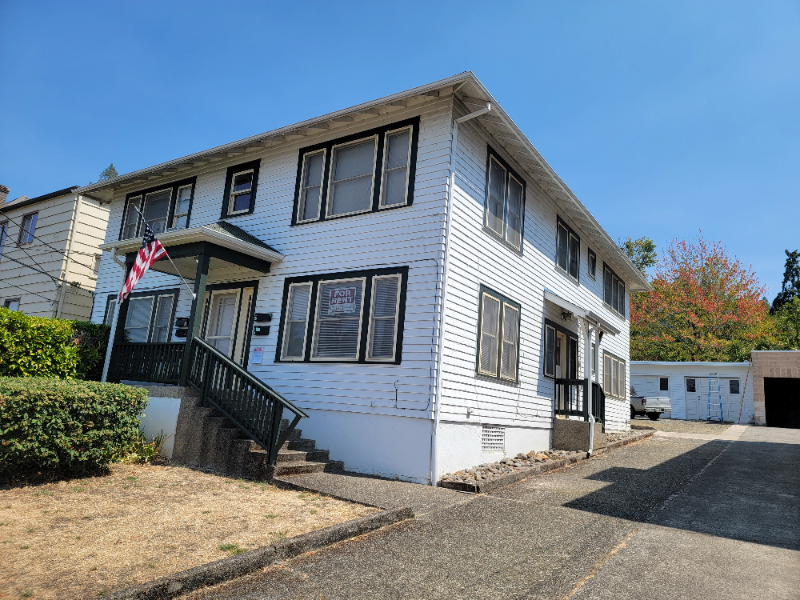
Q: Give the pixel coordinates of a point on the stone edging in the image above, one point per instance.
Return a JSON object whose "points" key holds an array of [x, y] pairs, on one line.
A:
{"points": [[247, 562], [481, 487]]}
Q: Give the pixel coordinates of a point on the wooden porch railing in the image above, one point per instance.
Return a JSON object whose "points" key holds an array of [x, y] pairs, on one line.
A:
{"points": [[157, 363], [248, 402], [571, 396]]}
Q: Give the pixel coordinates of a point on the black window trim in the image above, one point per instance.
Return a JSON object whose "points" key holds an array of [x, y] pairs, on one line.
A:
{"points": [[123, 312], [491, 153], [366, 314], [377, 173], [558, 328], [503, 299], [253, 165], [570, 234], [624, 312], [589, 254], [174, 187]]}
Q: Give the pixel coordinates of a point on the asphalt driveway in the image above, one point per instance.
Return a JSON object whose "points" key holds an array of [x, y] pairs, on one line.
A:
{"points": [[664, 518]]}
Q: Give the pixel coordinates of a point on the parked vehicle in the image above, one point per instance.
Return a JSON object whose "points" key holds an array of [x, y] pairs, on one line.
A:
{"points": [[652, 406]]}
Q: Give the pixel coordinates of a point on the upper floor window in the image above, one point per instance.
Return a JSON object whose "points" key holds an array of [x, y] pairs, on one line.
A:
{"points": [[613, 291], [591, 264], [498, 336], [241, 182], [361, 173], [3, 232], [26, 231], [568, 250], [11, 303], [505, 202], [344, 317], [164, 208]]}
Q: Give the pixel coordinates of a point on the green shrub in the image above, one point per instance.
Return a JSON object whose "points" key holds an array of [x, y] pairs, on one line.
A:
{"points": [[45, 347], [71, 426]]}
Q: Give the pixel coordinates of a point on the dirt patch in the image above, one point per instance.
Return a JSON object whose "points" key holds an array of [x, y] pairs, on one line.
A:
{"points": [[679, 426], [92, 536]]}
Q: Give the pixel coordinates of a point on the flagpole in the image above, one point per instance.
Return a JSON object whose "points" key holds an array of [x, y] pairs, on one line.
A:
{"points": [[174, 266], [115, 317]]}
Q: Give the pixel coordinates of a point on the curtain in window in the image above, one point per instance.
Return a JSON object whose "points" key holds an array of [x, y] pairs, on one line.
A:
{"points": [[312, 186], [384, 317], [508, 363], [296, 321], [351, 189], [338, 319], [490, 322], [395, 172]]}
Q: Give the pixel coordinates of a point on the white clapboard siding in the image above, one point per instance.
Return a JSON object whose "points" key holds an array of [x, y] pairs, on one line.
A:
{"points": [[476, 258]]}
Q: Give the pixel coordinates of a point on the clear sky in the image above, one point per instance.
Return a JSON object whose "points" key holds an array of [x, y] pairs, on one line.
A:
{"points": [[663, 117]]}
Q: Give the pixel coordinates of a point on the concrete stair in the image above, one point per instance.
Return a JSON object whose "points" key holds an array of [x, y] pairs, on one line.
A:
{"points": [[209, 440]]}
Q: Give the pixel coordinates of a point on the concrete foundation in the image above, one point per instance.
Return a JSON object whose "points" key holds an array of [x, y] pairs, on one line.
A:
{"points": [[574, 435]]}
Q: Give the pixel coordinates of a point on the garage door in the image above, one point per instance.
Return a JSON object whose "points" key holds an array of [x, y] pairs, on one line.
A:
{"points": [[697, 400], [782, 402]]}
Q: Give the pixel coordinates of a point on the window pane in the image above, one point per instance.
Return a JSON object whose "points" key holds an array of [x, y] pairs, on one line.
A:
{"points": [[508, 366], [137, 323], [242, 182], [621, 377], [352, 178], [394, 187], [550, 351], [607, 374], [296, 321], [574, 254], [489, 331], [241, 202], [338, 317], [621, 298], [561, 254], [384, 317], [28, 228], [690, 385], [398, 144], [734, 386], [3, 231], [184, 199], [663, 384], [109, 315], [514, 230], [162, 325], [156, 210], [614, 378], [312, 181], [494, 211], [614, 293], [131, 219], [607, 287]]}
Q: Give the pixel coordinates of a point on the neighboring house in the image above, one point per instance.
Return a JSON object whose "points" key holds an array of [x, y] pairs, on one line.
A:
{"points": [[49, 256], [764, 391], [410, 272]]}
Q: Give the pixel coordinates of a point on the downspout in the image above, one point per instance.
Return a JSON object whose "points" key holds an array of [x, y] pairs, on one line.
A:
{"points": [[590, 376], [76, 213], [445, 269], [111, 334]]}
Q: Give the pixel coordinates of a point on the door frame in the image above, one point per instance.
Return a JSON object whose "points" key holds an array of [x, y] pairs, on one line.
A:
{"points": [[233, 286]]}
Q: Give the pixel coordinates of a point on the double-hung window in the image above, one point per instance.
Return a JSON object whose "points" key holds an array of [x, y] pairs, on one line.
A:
{"points": [[505, 202], [498, 336], [344, 317], [361, 173], [164, 208], [26, 231], [568, 250], [149, 316], [613, 291], [3, 232], [241, 182], [614, 376]]}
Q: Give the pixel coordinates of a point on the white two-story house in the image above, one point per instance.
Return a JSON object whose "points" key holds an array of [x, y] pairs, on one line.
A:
{"points": [[410, 273]]}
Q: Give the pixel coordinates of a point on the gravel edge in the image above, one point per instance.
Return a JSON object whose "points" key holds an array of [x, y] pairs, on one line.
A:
{"points": [[503, 480], [247, 562]]}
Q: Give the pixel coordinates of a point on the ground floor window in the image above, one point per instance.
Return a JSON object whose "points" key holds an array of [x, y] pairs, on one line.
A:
{"points": [[614, 376], [498, 336], [343, 317], [149, 316]]}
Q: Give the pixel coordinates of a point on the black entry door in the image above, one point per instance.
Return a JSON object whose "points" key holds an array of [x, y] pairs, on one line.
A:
{"points": [[782, 400]]}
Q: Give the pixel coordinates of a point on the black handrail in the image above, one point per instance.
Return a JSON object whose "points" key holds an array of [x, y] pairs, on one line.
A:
{"points": [[248, 402], [151, 362], [570, 399]]}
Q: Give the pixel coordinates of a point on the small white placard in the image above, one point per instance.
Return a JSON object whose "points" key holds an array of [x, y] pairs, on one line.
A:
{"points": [[343, 300], [257, 354]]}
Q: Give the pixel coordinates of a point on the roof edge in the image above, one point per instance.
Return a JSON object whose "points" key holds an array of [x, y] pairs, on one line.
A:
{"points": [[57, 194]]}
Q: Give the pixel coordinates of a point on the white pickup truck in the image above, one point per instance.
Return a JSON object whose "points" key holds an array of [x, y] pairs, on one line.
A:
{"points": [[652, 406]]}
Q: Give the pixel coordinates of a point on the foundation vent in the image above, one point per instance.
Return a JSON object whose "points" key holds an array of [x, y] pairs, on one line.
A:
{"points": [[493, 438]]}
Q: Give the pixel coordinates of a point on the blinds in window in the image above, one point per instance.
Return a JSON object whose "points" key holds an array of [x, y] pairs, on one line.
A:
{"points": [[490, 322], [310, 192], [156, 209], [607, 373], [508, 364], [514, 229], [395, 170], [494, 210], [383, 325], [351, 184], [137, 323], [294, 337], [162, 326], [338, 320]]}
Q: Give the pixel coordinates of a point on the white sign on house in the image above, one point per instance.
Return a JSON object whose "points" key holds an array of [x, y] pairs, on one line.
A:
{"points": [[343, 300]]}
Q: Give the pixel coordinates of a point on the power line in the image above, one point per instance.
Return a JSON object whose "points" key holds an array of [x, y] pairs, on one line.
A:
{"points": [[55, 279], [30, 292]]}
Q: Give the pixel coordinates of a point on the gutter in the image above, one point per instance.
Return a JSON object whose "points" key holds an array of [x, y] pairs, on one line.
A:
{"points": [[434, 459]]}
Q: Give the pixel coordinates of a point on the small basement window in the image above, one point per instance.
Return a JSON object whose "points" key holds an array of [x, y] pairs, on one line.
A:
{"points": [[493, 438]]}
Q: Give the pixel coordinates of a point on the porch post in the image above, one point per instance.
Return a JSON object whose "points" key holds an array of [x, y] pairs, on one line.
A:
{"points": [[201, 276]]}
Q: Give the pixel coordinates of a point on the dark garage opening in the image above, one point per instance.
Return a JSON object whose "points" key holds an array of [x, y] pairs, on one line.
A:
{"points": [[782, 401]]}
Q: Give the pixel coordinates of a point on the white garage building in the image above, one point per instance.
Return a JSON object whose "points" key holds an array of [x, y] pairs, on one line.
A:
{"points": [[686, 384]]}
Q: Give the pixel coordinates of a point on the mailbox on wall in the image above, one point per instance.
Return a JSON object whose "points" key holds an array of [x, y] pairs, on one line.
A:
{"points": [[261, 330]]}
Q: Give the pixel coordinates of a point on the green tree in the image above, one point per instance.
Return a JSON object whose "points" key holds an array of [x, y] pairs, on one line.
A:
{"points": [[787, 323], [642, 252], [108, 173], [790, 289]]}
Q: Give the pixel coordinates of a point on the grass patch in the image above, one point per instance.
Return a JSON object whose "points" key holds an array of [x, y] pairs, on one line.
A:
{"points": [[231, 549], [277, 535], [26, 594], [267, 516], [78, 489], [132, 478], [43, 493]]}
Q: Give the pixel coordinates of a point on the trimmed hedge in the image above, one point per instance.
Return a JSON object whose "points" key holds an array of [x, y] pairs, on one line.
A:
{"points": [[45, 347], [72, 426]]}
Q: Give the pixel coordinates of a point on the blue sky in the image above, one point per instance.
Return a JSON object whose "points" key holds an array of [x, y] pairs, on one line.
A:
{"points": [[663, 117]]}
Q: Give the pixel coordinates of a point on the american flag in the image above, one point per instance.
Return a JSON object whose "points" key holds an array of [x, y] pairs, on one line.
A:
{"points": [[150, 252]]}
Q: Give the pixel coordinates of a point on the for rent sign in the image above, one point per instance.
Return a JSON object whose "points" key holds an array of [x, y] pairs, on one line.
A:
{"points": [[343, 300]]}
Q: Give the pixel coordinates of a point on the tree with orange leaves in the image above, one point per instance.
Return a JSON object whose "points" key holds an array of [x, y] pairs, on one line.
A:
{"points": [[705, 306]]}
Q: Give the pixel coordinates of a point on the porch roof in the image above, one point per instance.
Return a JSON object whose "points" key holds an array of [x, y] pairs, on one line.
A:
{"points": [[580, 312]]}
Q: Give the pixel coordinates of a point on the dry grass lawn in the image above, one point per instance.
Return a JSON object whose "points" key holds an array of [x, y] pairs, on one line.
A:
{"points": [[83, 538]]}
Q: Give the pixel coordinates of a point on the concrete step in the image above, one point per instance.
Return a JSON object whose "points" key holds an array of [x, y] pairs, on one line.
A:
{"points": [[299, 444], [285, 456], [302, 468]]}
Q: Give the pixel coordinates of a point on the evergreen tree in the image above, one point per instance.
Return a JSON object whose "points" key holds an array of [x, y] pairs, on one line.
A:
{"points": [[108, 173], [790, 288], [642, 252]]}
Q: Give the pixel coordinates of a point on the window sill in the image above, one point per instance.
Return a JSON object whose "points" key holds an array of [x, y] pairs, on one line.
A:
{"points": [[505, 382], [497, 237], [561, 271]]}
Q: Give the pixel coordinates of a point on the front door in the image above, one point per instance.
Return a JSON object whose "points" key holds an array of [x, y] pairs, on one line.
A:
{"points": [[227, 321]]}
